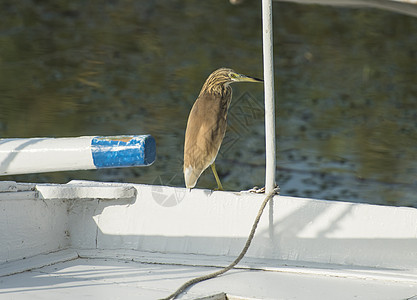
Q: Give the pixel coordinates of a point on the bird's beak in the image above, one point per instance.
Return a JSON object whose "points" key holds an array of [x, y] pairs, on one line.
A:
{"points": [[244, 78]]}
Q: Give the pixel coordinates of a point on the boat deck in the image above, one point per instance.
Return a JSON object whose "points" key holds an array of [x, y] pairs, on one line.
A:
{"points": [[90, 240], [71, 274]]}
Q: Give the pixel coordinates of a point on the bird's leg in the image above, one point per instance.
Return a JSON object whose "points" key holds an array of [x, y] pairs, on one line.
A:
{"points": [[219, 184]]}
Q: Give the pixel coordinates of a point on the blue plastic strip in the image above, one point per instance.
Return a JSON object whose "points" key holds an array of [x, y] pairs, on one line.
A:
{"points": [[123, 151]]}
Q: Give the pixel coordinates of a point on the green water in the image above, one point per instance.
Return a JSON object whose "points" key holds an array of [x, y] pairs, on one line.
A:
{"points": [[346, 93]]}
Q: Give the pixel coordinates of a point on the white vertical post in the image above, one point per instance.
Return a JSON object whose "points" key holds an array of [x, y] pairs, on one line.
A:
{"points": [[269, 95]]}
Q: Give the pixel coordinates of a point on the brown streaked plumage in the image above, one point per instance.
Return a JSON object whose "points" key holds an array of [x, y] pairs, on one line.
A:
{"points": [[207, 124]]}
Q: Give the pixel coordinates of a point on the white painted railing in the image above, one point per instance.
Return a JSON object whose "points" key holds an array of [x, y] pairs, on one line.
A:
{"points": [[35, 155], [407, 7]]}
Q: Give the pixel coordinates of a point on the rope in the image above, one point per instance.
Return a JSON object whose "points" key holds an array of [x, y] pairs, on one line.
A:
{"points": [[235, 262]]}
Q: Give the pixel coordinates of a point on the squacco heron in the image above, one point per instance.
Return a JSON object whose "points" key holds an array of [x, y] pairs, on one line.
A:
{"points": [[207, 124]]}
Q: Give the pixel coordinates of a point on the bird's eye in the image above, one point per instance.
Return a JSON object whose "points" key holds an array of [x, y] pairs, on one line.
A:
{"points": [[233, 75]]}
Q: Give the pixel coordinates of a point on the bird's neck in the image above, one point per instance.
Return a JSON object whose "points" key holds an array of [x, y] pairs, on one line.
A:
{"points": [[219, 89]]}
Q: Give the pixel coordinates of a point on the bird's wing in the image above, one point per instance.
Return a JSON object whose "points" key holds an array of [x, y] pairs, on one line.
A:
{"points": [[204, 134]]}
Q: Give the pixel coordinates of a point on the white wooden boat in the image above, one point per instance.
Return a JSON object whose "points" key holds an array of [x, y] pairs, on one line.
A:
{"points": [[91, 240]]}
